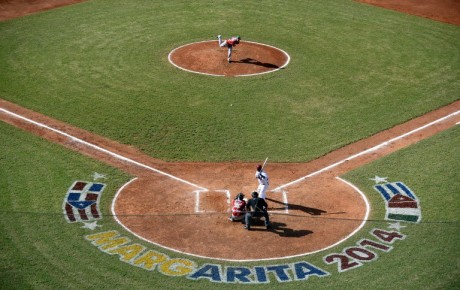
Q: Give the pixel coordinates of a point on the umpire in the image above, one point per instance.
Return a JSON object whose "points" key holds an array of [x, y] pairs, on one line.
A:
{"points": [[256, 207]]}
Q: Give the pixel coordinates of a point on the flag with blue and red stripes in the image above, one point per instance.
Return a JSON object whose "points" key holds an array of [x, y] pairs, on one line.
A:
{"points": [[82, 201]]}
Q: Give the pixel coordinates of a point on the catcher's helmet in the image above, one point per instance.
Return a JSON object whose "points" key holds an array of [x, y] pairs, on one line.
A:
{"points": [[254, 194], [240, 196]]}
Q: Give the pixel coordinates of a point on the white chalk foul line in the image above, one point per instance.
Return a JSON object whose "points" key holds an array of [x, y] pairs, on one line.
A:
{"points": [[115, 155], [367, 151]]}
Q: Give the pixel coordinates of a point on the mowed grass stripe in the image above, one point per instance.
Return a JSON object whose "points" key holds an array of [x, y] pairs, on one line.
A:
{"points": [[353, 66]]}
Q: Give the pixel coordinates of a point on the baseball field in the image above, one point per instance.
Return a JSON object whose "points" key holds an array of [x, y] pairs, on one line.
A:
{"points": [[117, 167]]}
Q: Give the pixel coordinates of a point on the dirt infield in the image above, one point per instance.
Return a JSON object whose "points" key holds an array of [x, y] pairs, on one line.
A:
{"points": [[440, 10], [321, 209], [447, 11], [10, 9]]}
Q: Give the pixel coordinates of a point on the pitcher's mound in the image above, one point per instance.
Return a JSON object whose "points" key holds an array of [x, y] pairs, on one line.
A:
{"points": [[248, 58]]}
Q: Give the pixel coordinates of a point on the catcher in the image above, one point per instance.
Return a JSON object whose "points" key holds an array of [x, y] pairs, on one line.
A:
{"points": [[238, 208], [229, 43]]}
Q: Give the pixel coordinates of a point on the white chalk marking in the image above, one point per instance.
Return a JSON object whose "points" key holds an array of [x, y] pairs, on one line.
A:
{"points": [[115, 155], [197, 201], [198, 194], [112, 208], [228, 196], [370, 150], [285, 200]]}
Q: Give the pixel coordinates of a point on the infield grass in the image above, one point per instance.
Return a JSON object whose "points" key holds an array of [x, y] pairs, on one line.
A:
{"points": [[355, 70]]}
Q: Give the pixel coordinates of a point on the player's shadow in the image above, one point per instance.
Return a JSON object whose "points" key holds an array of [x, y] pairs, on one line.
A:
{"points": [[278, 228], [256, 62], [283, 231], [291, 206]]}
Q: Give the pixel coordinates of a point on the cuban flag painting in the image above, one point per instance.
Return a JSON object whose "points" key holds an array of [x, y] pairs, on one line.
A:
{"points": [[81, 203], [401, 202]]}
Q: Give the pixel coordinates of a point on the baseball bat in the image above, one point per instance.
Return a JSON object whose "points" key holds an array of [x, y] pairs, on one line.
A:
{"points": [[263, 165]]}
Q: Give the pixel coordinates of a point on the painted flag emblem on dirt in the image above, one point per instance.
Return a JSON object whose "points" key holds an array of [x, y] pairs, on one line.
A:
{"points": [[401, 202], [82, 201]]}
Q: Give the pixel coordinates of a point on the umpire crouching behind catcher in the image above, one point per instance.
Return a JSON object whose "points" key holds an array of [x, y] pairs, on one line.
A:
{"points": [[256, 207]]}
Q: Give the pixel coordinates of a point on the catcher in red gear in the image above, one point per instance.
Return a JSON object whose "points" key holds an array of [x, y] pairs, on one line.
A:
{"points": [[238, 208]]}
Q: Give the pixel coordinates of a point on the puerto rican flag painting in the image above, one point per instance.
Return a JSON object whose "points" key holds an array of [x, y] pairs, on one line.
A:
{"points": [[81, 203]]}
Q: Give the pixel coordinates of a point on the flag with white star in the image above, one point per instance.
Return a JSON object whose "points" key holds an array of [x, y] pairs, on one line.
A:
{"points": [[401, 202], [82, 201]]}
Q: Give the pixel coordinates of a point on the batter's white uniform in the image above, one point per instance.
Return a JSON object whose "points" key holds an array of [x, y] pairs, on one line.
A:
{"points": [[262, 177]]}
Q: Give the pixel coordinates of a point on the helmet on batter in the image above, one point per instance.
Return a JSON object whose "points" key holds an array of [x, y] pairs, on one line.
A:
{"points": [[239, 38], [254, 194], [259, 167]]}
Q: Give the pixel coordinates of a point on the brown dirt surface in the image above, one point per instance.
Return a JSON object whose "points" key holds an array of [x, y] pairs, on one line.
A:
{"points": [[441, 10], [248, 58], [10, 9], [160, 205], [447, 11]]}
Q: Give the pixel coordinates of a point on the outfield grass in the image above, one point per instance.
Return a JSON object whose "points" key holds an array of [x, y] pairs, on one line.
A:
{"points": [[102, 65], [355, 70]]}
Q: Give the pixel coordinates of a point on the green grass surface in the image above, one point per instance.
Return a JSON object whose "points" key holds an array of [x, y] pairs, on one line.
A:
{"points": [[102, 66], [430, 256], [355, 70]]}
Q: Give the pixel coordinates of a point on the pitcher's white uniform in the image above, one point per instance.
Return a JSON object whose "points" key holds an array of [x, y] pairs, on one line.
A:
{"points": [[262, 177]]}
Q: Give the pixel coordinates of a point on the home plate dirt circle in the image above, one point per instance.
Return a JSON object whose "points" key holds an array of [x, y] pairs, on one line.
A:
{"points": [[322, 212], [248, 59]]}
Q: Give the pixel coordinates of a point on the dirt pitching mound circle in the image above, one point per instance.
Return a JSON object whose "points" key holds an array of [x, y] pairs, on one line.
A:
{"points": [[248, 59]]}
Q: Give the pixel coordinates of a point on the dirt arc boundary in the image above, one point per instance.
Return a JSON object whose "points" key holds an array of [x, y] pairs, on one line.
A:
{"points": [[248, 59]]}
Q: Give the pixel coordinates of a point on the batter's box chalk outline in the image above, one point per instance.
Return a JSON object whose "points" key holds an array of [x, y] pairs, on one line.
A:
{"points": [[284, 195], [198, 194]]}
